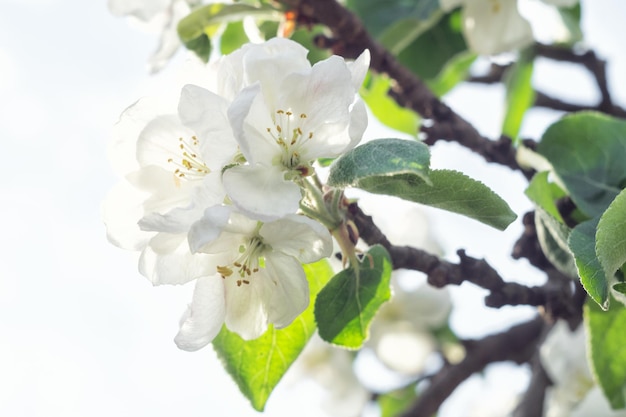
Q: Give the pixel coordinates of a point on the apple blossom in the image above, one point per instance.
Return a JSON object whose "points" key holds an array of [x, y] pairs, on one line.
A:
{"points": [[258, 278], [288, 117], [175, 176]]}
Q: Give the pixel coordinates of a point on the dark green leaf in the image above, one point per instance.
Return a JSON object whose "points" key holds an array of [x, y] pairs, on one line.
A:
{"points": [[374, 93], [305, 38], [431, 51], [344, 309], [582, 243], [571, 19], [201, 46], [520, 94], [611, 236], [378, 16], [450, 190], [587, 151], [257, 365], [607, 340], [404, 31], [381, 158]]}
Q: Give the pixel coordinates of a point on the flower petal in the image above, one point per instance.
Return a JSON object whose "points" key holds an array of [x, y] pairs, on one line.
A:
{"points": [[246, 311], [358, 68], [120, 211], [261, 192], [204, 317], [206, 114], [209, 227], [168, 260], [491, 27], [289, 295], [298, 236]]}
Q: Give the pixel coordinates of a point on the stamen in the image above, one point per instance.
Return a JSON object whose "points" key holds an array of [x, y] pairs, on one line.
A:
{"points": [[190, 166]]}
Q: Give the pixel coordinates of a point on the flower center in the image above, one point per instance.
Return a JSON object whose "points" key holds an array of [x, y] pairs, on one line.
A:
{"points": [[289, 136], [249, 261], [189, 165]]}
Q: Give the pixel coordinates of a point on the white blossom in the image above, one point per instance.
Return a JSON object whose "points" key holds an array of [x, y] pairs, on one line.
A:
{"points": [[258, 278], [287, 116]]}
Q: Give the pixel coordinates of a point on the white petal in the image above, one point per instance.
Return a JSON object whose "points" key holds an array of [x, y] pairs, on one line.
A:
{"points": [[324, 94], [121, 210], [246, 312], [160, 141], [261, 192], [165, 190], [209, 227], [289, 291], [298, 236], [163, 265], [358, 124], [491, 27], [206, 114], [204, 317], [359, 68], [250, 118], [170, 41], [144, 10], [268, 62]]}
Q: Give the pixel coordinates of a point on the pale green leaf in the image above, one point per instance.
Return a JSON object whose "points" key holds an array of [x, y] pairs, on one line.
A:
{"points": [[453, 72], [611, 236], [396, 402], [544, 194], [553, 237], [344, 309], [258, 365], [582, 243], [233, 37], [607, 342], [520, 94]]}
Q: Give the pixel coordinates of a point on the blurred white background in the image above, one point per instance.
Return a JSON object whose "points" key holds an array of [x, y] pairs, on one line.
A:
{"points": [[83, 334]]}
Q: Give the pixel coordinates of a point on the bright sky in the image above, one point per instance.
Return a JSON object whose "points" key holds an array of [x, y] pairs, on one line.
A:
{"points": [[83, 333]]}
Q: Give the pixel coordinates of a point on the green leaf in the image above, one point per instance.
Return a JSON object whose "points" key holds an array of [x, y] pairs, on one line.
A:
{"points": [[611, 236], [447, 190], [305, 38], [553, 237], [582, 243], [396, 402], [378, 16], [427, 55], [257, 365], [520, 94], [344, 309], [544, 194], [381, 158], [571, 20], [454, 71], [587, 151], [374, 93], [198, 27], [607, 339], [232, 38], [404, 31]]}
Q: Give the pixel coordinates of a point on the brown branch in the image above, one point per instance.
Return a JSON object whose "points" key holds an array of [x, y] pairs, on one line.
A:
{"points": [[350, 38], [518, 344], [555, 296]]}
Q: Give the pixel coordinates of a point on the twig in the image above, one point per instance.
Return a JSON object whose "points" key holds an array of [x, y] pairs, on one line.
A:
{"points": [[517, 344]]}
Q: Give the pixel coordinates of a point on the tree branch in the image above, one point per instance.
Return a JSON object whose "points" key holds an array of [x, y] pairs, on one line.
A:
{"points": [[518, 344]]}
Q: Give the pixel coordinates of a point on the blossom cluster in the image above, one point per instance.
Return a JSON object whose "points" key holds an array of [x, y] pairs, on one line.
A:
{"points": [[216, 190]]}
